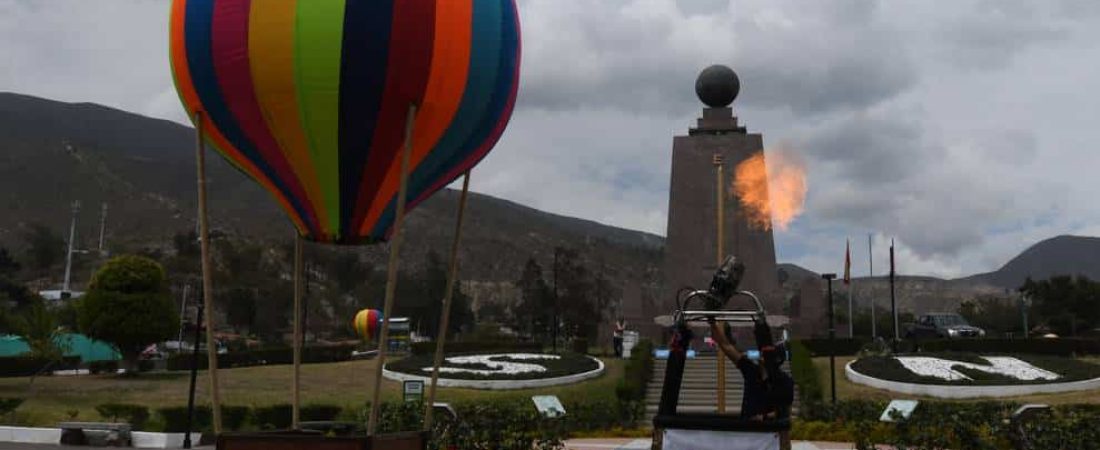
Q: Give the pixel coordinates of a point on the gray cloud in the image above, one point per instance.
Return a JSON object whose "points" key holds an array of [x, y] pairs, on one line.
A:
{"points": [[643, 56], [963, 130]]}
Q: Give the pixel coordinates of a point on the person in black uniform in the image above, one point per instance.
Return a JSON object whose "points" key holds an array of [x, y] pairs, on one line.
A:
{"points": [[769, 391]]}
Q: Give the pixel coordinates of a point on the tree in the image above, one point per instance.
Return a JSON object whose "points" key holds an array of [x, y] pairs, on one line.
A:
{"points": [[44, 247], [581, 308], [128, 306], [532, 313], [240, 308], [1064, 304], [8, 265], [421, 298], [992, 313], [40, 329]]}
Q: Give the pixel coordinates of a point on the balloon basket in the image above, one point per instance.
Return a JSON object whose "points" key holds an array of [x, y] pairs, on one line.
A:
{"points": [[717, 431], [311, 440]]}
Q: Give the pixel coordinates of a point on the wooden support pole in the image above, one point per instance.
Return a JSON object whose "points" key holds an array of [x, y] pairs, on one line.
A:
{"points": [[391, 276], [721, 211], [297, 388], [207, 278], [445, 316]]}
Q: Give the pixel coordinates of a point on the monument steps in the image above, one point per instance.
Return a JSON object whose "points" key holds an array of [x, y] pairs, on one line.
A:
{"points": [[698, 392]]}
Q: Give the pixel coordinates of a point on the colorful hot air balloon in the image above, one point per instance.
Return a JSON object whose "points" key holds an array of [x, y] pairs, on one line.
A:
{"points": [[366, 323], [309, 97]]}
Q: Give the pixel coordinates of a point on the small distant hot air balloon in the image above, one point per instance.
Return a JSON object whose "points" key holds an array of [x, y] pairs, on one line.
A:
{"points": [[366, 324]]}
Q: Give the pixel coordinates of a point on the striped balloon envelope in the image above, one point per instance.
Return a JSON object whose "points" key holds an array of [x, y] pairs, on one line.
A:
{"points": [[366, 323], [310, 97]]}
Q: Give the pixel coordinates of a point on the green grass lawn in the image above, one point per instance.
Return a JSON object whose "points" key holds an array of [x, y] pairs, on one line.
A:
{"points": [[846, 390], [348, 384]]}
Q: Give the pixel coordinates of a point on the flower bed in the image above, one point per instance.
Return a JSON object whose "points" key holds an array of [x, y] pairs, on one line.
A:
{"points": [[498, 366], [974, 370]]}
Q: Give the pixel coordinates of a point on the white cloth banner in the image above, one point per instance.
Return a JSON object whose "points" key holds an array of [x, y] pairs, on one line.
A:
{"points": [[719, 440]]}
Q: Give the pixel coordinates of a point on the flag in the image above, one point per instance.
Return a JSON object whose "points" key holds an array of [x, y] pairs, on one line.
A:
{"points": [[847, 262]]}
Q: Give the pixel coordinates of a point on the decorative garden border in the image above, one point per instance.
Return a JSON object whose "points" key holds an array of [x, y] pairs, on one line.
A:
{"points": [[501, 384], [955, 391]]}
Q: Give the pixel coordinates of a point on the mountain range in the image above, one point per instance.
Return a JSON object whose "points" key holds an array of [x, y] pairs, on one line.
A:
{"points": [[143, 169]]}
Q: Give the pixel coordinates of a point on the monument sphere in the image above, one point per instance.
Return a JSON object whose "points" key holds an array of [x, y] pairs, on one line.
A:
{"points": [[717, 86]]}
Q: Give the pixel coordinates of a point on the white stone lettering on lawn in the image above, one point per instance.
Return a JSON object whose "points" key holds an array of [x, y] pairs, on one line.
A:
{"points": [[1003, 365], [496, 367]]}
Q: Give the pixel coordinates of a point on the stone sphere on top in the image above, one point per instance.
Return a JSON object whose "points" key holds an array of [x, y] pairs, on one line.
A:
{"points": [[717, 86]]}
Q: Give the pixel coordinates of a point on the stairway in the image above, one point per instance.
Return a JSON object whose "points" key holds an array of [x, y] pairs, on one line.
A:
{"points": [[698, 393]]}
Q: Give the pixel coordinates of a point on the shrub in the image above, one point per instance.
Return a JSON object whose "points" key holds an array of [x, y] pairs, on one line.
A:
{"points": [[580, 346], [266, 356], [175, 418], [235, 417], [842, 346], [319, 412], [805, 376], [98, 367], [450, 348], [9, 404], [25, 366], [273, 417], [135, 415]]}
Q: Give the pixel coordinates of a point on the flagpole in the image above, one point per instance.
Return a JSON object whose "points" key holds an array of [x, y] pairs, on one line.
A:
{"points": [[893, 302], [871, 286], [848, 273]]}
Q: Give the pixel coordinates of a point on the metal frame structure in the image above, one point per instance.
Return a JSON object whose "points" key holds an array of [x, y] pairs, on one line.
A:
{"points": [[668, 419]]}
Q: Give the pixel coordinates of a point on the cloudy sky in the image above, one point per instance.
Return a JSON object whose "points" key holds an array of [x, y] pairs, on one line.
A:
{"points": [[966, 130]]}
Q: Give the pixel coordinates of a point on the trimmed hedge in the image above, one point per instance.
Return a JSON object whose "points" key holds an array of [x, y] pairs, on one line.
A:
{"points": [[234, 418], [135, 415], [955, 425], [889, 368], [569, 364], [1037, 346], [98, 367], [630, 391], [318, 412], [9, 404], [842, 346], [269, 356], [810, 391], [450, 348], [25, 366], [273, 417]]}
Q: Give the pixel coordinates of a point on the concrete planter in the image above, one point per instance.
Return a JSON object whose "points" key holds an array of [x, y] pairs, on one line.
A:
{"points": [[141, 439], [26, 435]]}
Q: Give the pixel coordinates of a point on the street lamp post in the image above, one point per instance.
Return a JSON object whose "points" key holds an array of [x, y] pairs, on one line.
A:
{"points": [[832, 336], [555, 329], [194, 374]]}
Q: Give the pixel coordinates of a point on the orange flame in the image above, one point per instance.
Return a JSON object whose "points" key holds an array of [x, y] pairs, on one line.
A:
{"points": [[773, 192]]}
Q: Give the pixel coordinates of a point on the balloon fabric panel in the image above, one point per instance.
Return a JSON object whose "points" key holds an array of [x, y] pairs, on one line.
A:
{"points": [[319, 40], [229, 47], [271, 52], [363, 78], [181, 75], [409, 61], [442, 97], [310, 98], [483, 115]]}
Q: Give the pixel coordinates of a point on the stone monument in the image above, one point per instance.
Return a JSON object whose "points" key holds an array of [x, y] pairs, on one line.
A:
{"points": [[690, 257]]}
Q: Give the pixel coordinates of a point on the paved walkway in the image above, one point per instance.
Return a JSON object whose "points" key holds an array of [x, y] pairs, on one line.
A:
{"points": [[639, 444]]}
